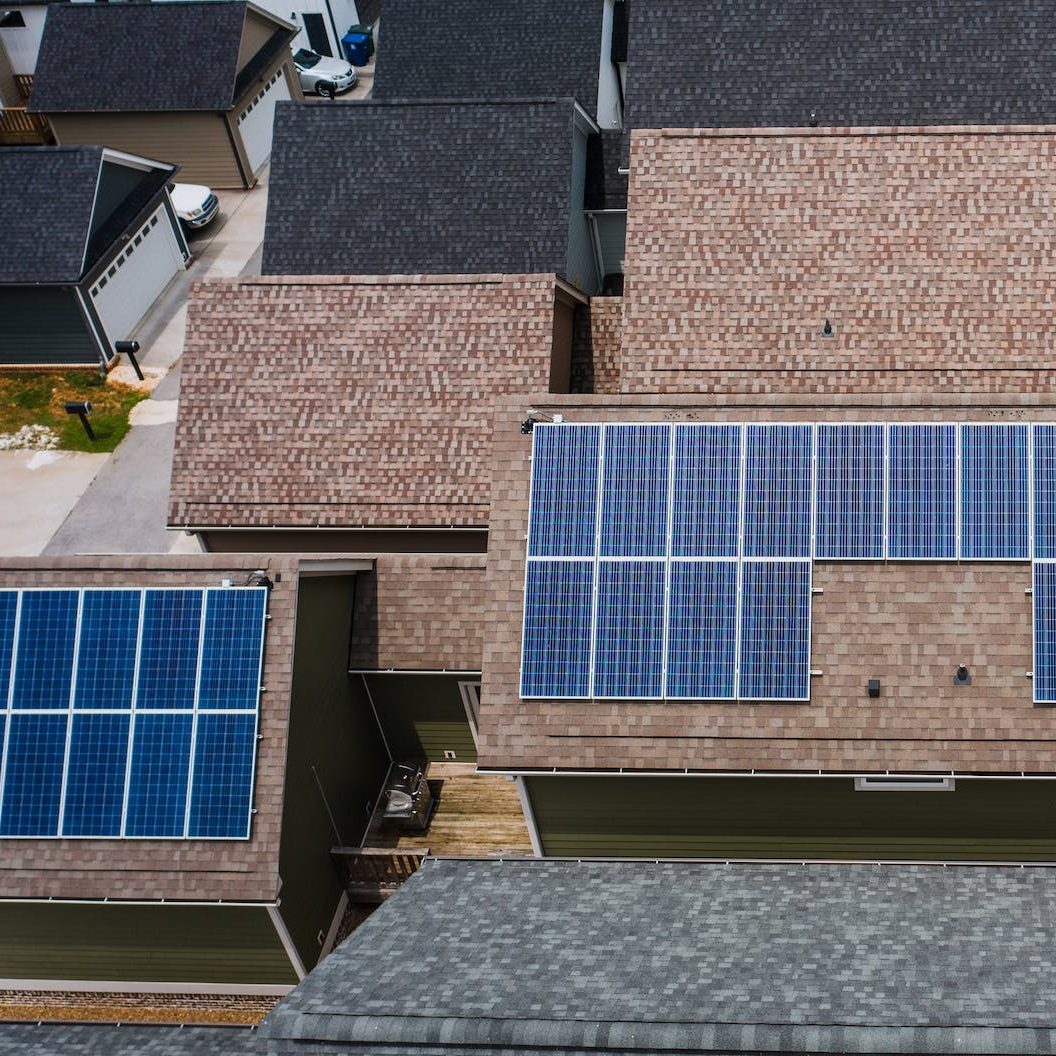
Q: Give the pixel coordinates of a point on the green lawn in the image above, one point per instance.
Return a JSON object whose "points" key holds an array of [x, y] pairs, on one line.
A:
{"points": [[32, 398]]}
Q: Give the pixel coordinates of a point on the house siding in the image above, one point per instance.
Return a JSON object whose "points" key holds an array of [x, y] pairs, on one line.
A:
{"points": [[197, 142], [700, 817], [582, 267], [423, 716], [156, 943], [44, 327]]}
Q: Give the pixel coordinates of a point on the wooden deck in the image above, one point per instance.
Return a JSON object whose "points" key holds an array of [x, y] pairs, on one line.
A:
{"points": [[479, 816]]}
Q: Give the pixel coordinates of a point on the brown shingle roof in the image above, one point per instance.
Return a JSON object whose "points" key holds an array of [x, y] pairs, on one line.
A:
{"points": [[232, 870], [351, 401], [910, 624], [930, 250]]}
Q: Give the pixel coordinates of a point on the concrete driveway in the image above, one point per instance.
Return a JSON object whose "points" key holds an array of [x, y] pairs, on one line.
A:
{"points": [[118, 503]]}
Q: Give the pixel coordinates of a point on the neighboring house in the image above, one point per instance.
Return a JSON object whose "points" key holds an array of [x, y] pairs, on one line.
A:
{"points": [[107, 73], [21, 29], [321, 23], [364, 405], [457, 188], [89, 240], [625, 958]]}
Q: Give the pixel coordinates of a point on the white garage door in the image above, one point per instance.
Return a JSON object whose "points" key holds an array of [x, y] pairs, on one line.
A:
{"points": [[124, 293], [254, 123]]}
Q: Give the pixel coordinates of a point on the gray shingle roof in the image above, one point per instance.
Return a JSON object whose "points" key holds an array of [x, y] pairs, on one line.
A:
{"points": [[139, 56], [622, 957], [419, 188], [473, 49], [101, 1039], [46, 200], [733, 63]]}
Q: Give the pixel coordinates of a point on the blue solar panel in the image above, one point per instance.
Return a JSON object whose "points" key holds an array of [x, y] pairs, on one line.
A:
{"points": [[222, 785], [628, 650], [36, 750], [775, 630], [634, 491], [157, 788], [995, 491], [44, 661], [555, 660], [106, 656], [706, 492], [1045, 491], [232, 646], [778, 476], [849, 515], [922, 475], [95, 778], [702, 630], [168, 661], [1044, 599], [8, 614], [564, 503]]}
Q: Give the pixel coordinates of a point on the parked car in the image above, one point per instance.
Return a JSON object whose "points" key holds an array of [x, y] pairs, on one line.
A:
{"points": [[195, 205], [323, 76]]}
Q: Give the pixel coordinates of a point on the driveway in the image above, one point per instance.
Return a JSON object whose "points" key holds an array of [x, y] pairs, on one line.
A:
{"points": [[123, 506]]}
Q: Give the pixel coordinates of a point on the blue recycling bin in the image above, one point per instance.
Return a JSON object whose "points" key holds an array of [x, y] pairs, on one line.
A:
{"points": [[357, 48]]}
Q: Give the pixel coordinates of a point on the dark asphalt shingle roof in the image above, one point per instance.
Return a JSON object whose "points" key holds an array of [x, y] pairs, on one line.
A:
{"points": [[101, 1039], [139, 56], [420, 188], [46, 200], [758, 63], [618, 957], [473, 49]]}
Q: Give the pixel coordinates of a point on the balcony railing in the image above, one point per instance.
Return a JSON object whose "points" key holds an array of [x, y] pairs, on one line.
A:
{"points": [[371, 874]]}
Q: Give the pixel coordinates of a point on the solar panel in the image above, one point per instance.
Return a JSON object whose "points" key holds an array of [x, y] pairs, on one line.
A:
{"points": [[995, 492], [702, 630], [1044, 600], [778, 485], [76, 751], [44, 660], [629, 636], [555, 654], [564, 500], [775, 630], [106, 654], [706, 491], [1044, 450], [922, 489], [634, 491], [849, 518], [222, 783]]}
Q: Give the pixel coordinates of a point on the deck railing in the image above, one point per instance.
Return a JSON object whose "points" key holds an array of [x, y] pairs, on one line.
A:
{"points": [[18, 126], [370, 873]]}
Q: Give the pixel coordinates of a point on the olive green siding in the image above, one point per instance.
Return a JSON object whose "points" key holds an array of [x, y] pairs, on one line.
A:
{"points": [[423, 716], [44, 326], [982, 820], [335, 762], [141, 944]]}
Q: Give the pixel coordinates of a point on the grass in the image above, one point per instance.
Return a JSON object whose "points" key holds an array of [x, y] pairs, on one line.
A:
{"points": [[37, 398]]}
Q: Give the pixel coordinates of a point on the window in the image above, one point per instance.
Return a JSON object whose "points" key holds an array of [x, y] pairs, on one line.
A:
{"points": [[904, 784]]}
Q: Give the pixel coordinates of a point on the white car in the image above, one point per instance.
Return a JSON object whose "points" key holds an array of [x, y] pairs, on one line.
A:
{"points": [[323, 76], [195, 205]]}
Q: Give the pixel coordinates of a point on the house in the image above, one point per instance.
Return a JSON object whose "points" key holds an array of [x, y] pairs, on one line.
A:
{"points": [[21, 30], [326, 448], [617, 957], [89, 241], [458, 188], [107, 74], [860, 357], [321, 23]]}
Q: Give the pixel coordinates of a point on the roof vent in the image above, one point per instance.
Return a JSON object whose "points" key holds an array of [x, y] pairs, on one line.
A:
{"points": [[962, 678], [827, 329], [874, 687], [813, 119]]}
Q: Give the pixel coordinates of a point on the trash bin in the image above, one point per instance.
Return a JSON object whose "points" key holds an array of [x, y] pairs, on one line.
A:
{"points": [[357, 48], [366, 28]]}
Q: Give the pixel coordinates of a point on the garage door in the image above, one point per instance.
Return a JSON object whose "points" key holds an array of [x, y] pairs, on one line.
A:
{"points": [[124, 293], [254, 123]]}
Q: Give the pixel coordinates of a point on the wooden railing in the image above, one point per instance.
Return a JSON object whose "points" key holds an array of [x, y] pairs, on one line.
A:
{"points": [[373, 873], [24, 84], [18, 126]]}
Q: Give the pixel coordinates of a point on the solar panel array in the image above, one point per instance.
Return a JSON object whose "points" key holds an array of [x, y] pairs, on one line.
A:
{"points": [[129, 713], [674, 560]]}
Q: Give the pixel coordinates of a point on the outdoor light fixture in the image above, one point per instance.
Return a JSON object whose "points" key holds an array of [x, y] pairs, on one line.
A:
{"points": [[827, 329], [130, 348], [874, 687], [962, 678], [82, 408]]}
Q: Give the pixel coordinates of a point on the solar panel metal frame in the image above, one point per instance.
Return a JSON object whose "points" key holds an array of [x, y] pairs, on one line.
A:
{"points": [[882, 556], [7, 710], [962, 429]]}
